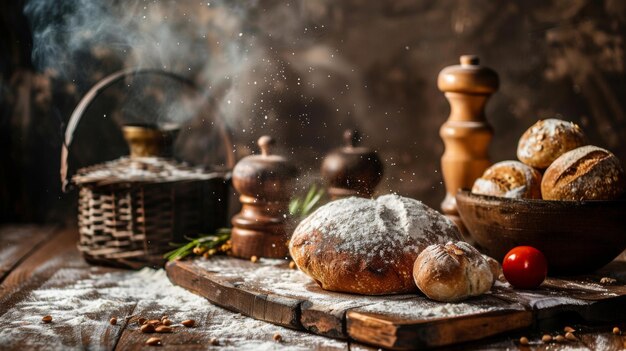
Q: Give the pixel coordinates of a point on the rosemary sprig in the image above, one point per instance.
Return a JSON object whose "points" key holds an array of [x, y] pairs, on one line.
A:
{"points": [[199, 245], [302, 207], [210, 244]]}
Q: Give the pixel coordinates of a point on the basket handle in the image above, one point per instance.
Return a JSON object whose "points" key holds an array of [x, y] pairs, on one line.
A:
{"points": [[98, 88]]}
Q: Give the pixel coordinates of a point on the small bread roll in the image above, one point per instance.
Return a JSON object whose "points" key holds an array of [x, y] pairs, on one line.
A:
{"points": [[546, 140], [585, 173], [452, 272], [511, 179]]}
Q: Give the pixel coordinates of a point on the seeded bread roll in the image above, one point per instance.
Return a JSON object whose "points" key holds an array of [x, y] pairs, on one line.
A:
{"points": [[585, 173], [511, 179], [452, 272], [367, 246], [546, 140]]}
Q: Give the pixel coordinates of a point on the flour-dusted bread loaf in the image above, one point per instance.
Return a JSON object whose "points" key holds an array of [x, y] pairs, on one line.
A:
{"points": [[367, 246], [548, 139], [585, 173], [511, 179], [453, 272]]}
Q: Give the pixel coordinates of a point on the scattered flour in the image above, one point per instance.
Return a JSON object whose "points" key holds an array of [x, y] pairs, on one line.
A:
{"points": [[81, 308], [423, 308], [140, 169], [270, 276]]}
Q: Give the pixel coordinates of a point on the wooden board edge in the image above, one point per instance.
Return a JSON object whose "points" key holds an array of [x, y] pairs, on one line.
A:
{"points": [[323, 322], [371, 329], [275, 309]]}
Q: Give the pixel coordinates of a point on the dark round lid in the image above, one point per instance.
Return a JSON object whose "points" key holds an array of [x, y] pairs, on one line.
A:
{"points": [[469, 77], [351, 169], [265, 176]]}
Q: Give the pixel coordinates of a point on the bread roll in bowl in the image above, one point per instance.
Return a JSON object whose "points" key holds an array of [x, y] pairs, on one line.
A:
{"points": [[548, 139], [511, 179], [585, 173], [367, 246], [453, 272]]}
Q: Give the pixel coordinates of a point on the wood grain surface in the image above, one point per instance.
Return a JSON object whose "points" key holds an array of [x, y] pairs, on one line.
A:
{"points": [[18, 242], [397, 321], [52, 278]]}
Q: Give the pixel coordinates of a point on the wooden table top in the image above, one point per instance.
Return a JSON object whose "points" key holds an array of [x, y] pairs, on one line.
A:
{"points": [[42, 273]]}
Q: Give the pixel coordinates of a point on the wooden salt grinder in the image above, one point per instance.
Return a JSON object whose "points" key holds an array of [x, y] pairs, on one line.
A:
{"points": [[466, 134], [265, 183], [352, 170]]}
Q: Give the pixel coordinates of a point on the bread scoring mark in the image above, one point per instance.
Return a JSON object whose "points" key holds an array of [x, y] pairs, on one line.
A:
{"points": [[586, 173], [574, 162]]}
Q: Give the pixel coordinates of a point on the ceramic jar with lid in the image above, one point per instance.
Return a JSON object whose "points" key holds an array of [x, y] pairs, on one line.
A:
{"points": [[352, 170]]}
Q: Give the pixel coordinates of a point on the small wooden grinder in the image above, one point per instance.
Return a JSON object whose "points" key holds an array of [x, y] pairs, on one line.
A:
{"points": [[265, 183], [352, 170], [466, 134]]}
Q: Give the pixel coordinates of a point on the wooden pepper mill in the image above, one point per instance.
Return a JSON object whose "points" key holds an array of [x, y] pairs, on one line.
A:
{"points": [[466, 134], [265, 183], [352, 170]]}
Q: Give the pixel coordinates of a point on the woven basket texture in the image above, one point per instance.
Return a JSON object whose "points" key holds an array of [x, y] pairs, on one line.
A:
{"points": [[130, 210]]}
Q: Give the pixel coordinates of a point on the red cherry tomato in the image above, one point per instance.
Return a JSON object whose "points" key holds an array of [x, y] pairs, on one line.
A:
{"points": [[525, 267]]}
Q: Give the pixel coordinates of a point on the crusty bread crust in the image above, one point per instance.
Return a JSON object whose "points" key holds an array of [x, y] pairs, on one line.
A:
{"points": [[548, 139], [453, 272], [585, 173], [511, 179], [367, 246]]}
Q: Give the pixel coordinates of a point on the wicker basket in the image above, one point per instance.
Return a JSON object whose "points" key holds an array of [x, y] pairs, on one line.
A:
{"points": [[132, 208]]}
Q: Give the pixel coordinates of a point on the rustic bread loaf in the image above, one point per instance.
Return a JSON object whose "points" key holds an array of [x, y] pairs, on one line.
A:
{"points": [[585, 173], [548, 139], [452, 272], [367, 246], [511, 179]]}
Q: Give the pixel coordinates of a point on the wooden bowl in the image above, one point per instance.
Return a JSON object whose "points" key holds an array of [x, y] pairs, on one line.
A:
{"points": [[576, 237]]}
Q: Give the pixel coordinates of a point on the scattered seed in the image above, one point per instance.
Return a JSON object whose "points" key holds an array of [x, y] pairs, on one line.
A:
{"points": [[154, 322], [546, 338], [166, 322], [569, 329], [277, 337], [163, 329], [147, 328], [154, 342], [616, 331], [188, 323], [113, 321], [570, 336], [292, 265], [523, 340], [254, 259], [141, 321], [199, 250], [608, 281], [559, 338], [214, 341], [47, 319]]}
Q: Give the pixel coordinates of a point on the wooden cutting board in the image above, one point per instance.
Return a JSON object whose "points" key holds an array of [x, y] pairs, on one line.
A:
{"points": [[270, 291]]}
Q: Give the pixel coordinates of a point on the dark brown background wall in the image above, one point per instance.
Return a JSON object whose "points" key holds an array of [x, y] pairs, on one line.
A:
{"points": [[302, 71]]}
